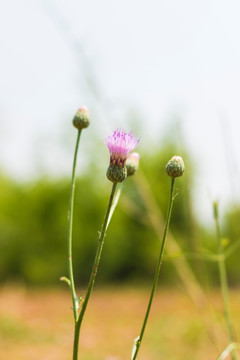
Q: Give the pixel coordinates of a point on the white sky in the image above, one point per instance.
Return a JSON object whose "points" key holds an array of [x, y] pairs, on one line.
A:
{"points": [[160, 57]]}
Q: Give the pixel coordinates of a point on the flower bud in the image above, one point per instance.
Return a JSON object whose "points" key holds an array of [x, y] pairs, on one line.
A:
{"points": [[81, 119], [175, 167], [132, 163], [116, 173]]}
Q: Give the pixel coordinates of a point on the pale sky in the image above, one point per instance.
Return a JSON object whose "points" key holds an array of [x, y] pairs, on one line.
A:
{"points": [[160, 58]]}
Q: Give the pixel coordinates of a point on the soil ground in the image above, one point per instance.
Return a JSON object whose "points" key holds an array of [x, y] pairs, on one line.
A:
{"points": [[38, 324]]}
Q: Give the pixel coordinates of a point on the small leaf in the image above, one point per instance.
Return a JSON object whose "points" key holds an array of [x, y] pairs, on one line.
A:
{"points": [[64, 278], [135, 346], [80, 299]]}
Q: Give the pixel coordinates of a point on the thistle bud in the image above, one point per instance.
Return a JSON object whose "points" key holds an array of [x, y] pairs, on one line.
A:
{"points": [[116, 173], [81, 119], [175, 167], [132, 163]]}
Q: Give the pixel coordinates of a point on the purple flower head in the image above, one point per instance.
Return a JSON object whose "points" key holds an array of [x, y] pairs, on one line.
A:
{"points": [[120, 144]]}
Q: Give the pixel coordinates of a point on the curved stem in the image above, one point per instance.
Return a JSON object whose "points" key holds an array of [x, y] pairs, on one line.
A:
{"points": [[159, 263], [70, 224], [78, 322]]}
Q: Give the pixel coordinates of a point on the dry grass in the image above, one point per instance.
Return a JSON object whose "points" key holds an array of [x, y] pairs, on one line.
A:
{"points": [[38, 324]]}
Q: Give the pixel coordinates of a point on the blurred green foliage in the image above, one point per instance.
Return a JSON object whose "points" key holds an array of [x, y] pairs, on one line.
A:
{"points": [[231, 236], [33, 227]]}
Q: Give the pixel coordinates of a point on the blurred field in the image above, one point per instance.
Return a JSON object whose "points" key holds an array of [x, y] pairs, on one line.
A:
{"points": [[37, 324]]}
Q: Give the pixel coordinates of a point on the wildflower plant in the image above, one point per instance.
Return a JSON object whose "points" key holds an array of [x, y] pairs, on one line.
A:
{"points": [[119, 144], [174, 168]]}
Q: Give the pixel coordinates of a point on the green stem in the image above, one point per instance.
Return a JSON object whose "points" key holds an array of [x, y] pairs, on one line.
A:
{"points": [[70, 225], [159, 263], [115, 201], [78, 322], [224, 283]]}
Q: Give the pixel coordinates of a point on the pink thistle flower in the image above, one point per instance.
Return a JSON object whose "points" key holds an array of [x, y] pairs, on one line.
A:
{"points": [[120, 144]]}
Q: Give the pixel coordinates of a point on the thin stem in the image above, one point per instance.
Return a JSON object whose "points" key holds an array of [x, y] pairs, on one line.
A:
{"points": [[159, 263], [70, 224], [224, 283], [78, 322]]}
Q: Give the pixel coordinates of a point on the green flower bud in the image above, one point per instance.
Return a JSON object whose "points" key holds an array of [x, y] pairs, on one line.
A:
{"points": [[132, 163], [175, 167], [116, 173], [81, 119]]}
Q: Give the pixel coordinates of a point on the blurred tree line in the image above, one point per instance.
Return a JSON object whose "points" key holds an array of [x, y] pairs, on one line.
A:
{"points": [[33, 227]]}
